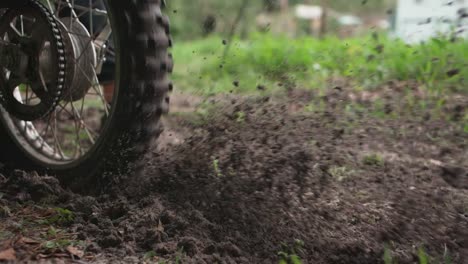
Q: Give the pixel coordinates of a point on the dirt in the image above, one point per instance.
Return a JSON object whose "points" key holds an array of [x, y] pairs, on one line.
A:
{"points": [[262, 179]]}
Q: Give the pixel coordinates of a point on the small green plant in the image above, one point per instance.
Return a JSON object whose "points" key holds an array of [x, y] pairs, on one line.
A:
{"points": [[179, 255], [379, 109], [387, 258], [373, 160], [423, 256], [289, 255], [340, 173], [240, 117], [52, 232], [59, 244], [61, 216], [216, 168]]}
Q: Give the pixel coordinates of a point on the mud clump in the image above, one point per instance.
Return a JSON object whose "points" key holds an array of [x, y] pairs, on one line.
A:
{"points": [[22, 186]]}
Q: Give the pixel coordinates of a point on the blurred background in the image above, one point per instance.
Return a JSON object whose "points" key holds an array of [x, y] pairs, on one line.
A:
{"points": [[315, 44]]}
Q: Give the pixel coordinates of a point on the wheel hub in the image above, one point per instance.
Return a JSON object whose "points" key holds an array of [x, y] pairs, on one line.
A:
{"points": [[55, 59], [81, 53]]}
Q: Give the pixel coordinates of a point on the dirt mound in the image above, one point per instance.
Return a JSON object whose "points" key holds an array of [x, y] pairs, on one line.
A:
{"points": [[255, 181], [258, 182], [21, 186]]}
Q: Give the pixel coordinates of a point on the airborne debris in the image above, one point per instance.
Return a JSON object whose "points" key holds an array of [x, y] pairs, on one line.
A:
{"points": [[453, 72]]}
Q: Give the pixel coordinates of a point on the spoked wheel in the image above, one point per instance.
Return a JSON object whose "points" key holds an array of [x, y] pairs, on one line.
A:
{"points": [[83, 84]]}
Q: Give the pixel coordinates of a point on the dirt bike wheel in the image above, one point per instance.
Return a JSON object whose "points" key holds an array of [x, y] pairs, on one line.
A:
{"points": [[143, 64]]}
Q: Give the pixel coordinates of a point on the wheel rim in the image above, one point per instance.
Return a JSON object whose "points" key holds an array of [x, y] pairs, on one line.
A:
{"points": [[76, 126]]}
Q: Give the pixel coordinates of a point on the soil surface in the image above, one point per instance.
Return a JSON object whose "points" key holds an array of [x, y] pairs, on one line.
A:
{"points": [[264, 179]]}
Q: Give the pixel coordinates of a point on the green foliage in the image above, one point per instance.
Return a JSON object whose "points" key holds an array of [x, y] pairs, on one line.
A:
{"points": [[61, 216], [240, 117], [368, 62], [388, 258], [423, 257], [59, 244], [373, 160], [216, 168], [289, 254], [340, 173], [465, 123]]}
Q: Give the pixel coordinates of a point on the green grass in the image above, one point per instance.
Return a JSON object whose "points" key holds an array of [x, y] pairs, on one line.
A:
{"points": [[289, 253], [273, 61], [423, 257], [373, 159]]}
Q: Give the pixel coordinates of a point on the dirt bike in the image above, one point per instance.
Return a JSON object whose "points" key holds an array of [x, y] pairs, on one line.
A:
{"points": [[83, 84]]}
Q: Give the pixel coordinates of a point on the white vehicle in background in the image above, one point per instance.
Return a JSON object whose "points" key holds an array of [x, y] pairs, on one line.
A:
{"points": [[420, 20]]}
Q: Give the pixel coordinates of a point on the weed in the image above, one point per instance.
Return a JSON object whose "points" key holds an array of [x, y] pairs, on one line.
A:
{"points": [[179, 255], [240, 117], [373, 160], [340, 173], [59, 244], [289, 255], [52, 232], [216, 168], [61, 216], [423, 256], [387, 258]]}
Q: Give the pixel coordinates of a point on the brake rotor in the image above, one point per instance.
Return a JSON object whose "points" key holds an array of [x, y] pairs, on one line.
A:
{"points": [[32, 57]]}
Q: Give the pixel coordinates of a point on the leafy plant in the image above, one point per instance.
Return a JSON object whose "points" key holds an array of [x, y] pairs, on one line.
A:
{"points": [[423, 256], [240, 117], [373, 160], [216, 168], [61, 216], [289, 255], [59, 244]]}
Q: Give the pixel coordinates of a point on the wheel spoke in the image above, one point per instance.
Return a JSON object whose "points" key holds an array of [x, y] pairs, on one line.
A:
{"points": [[13, 32], [56, 139], [74, 127], [83, 124]]}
